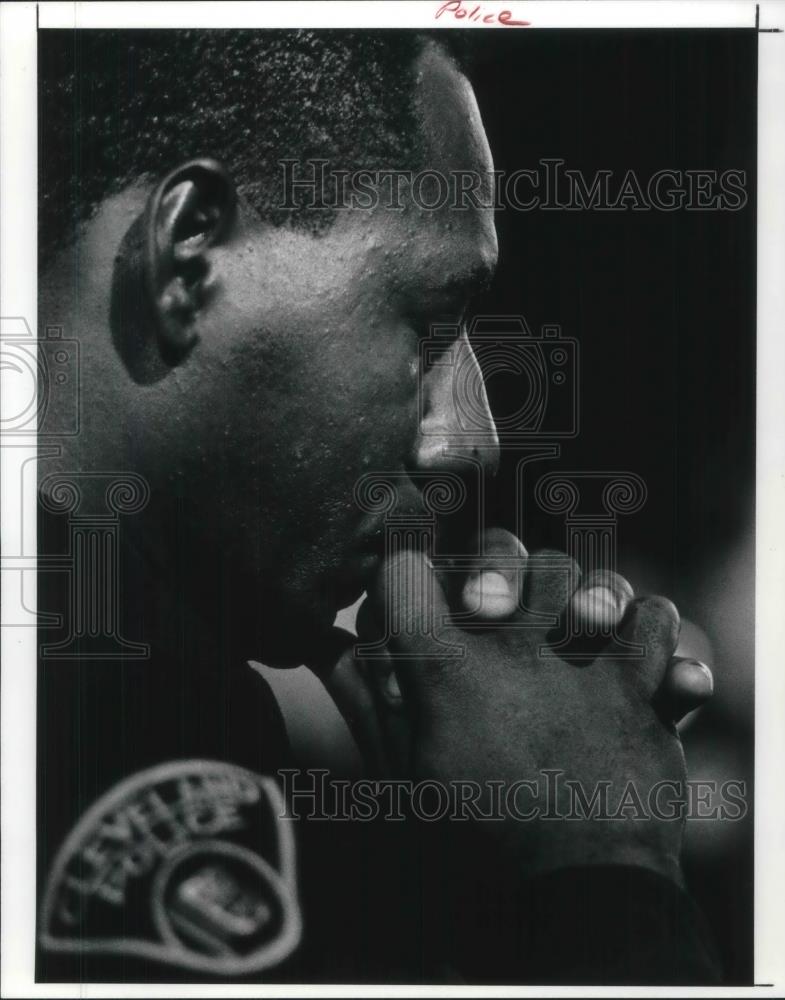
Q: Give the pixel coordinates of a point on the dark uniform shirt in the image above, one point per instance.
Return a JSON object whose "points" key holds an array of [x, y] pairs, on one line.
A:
{"points": [[164, 853]]}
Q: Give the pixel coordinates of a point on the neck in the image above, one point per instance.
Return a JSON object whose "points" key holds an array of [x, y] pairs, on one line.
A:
{"points": [[140, 575]]}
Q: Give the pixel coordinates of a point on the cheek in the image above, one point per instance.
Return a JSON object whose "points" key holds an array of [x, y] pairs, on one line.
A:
{"points": [[313, 410], [379, 411]]}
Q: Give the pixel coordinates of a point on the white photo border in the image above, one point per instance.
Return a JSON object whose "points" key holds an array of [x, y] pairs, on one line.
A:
{"points": [[18, 298]]}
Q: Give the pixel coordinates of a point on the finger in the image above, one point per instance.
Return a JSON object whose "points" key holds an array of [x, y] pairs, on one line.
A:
{"points": [[688, 683], [352, 696], [651, 624], [332, 644], [600, 602], [354, 700], [409, 605], [396, 717], [379, 670], [393, 713], [426, 650], [492, 590], [550, 580]]}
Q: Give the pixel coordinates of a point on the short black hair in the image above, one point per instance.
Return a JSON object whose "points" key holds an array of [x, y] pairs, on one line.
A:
{"points": [[118, 105]]}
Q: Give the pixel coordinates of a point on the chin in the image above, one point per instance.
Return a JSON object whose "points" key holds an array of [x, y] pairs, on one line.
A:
{"points": [[302, 633], [346, 595], [296, 617]]}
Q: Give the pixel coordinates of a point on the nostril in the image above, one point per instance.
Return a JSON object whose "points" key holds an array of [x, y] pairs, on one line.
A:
{"points": [[456, 423]]}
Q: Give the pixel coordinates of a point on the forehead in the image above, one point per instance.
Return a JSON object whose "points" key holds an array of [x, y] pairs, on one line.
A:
{"points": [[454, 133], [451, 243], [385, 255]]}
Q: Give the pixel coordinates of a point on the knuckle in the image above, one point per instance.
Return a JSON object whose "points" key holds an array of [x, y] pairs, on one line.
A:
{"points": [[554, 561], [661, 609], [657, 622], [614, 582], [499, 541], [602, 598]]}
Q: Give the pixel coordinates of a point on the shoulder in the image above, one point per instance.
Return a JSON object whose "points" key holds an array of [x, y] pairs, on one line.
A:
{"points": [[163, 838]]}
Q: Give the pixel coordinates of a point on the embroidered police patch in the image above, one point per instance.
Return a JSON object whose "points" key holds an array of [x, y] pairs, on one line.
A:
{"points": [[191, 863]]}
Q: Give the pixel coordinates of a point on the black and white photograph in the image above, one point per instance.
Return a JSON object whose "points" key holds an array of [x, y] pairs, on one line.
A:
{"points": [[393, 468]]}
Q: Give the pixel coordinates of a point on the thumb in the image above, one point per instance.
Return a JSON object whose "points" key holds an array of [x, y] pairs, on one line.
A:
{"points": [[412, 615], [492, 590], [336, 668]]}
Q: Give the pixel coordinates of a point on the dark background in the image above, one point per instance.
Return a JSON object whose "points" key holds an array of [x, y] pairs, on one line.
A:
{"points": [[663, 307]]}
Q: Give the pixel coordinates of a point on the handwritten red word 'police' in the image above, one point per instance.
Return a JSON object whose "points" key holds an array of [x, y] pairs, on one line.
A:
{"points": [[461, 12]]}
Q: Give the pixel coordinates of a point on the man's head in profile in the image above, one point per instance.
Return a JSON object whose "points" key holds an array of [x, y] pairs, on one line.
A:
{"points": [[253, 361]]}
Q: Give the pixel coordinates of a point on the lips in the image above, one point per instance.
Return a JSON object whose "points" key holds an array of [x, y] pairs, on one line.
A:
{"points": [[451, 538], [454, 536], [361, 567], [357, 576]]}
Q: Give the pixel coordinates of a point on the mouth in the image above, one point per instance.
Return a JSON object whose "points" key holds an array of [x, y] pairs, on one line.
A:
{"points": [[451, 538], [373, 543], [360, 569]]}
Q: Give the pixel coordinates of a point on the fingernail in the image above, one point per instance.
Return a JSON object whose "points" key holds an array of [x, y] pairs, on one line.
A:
{"points": [[488, 592], [598, 605], [693, 681]]}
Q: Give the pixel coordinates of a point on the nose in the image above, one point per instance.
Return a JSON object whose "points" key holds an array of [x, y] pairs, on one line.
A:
{"points": [[456, 424]]}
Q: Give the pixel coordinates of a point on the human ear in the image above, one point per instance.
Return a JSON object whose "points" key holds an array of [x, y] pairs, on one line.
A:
{"points": [[190, 211]]}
